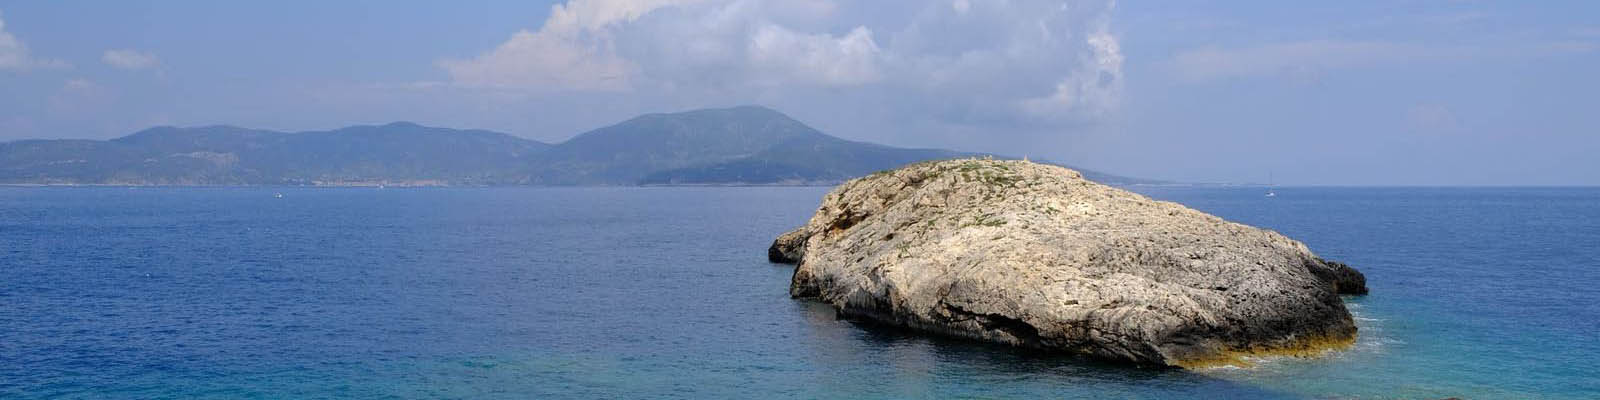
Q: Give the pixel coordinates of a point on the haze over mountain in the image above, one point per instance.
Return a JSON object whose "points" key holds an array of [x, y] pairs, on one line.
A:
{"points": [[627, 152], [227, 155], [740, 145]]}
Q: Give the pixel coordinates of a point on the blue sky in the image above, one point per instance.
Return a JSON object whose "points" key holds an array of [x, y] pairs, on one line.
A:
{"points": [[1344, 93]]}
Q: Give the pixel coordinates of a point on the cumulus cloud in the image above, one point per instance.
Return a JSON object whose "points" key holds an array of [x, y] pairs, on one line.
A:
{"points": [[129, 59], [960, 61], [572, 50], [790, 56], [14, 55], [1094, 87]]}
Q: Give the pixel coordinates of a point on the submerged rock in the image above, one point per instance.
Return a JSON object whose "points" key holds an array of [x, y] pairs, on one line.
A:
{"points": [[1034, 255]]}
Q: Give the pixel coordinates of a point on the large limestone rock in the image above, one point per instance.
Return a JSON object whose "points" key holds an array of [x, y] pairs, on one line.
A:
{"points": [[1034, 255]]}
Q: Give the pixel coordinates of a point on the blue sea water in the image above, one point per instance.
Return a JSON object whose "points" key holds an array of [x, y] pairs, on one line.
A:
{"points": [[666, 293]]}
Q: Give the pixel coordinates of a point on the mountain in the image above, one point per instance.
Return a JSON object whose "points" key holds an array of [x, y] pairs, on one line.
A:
{"points": [[739, 145], [808, 159], [627, 152], [830, 160], [399, 152]]}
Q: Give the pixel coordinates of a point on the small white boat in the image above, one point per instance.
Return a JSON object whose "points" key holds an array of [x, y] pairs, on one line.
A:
{"points": [[1271, 194], [277, 195]]}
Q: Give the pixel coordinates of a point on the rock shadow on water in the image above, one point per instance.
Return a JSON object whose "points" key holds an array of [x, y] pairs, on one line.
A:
{"points": [[961, 366]]}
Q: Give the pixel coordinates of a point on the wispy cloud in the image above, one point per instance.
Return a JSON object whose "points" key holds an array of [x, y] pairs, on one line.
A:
{"points": [[1569, 46], [1294, 59], [14, 54], [77, 95], [129, 59]]}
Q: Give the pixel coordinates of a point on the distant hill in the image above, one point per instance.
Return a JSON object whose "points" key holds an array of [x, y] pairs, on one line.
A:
{"points": [[627, 152], [740, 145], [226, 155], [808, 159]]}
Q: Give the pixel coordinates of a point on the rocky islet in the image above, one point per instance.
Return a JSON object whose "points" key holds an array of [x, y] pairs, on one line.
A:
{"points": [[1037, 256]]}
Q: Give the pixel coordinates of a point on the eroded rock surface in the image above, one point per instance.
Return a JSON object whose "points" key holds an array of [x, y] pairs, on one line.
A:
{"points": [[1034, 255]]}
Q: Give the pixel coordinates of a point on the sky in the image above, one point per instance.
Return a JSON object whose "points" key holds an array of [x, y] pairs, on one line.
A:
{"points": [[1402, 92]]}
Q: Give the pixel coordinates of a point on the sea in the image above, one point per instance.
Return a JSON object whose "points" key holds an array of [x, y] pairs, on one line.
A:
{"points": [[665, 292]]}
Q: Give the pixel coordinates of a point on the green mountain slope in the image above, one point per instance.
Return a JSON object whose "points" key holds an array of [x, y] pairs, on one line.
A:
{"points": [[813, 159], [740, 145], [625, 153], [229, 155]]}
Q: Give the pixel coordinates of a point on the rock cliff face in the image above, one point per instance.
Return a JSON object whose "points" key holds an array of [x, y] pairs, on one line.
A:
{"points": [[1036, 256]]}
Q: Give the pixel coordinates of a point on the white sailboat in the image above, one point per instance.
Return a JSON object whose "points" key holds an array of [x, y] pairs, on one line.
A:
{"points": [[1270, 193]]}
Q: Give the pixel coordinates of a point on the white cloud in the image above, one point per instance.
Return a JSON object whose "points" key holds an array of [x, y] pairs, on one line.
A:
{"points": [[962, 62], [814, 58], [961, 6], [544, 60], [1019, 62], [129, 59], [572, 50], [14, 55], [1095, 88]]}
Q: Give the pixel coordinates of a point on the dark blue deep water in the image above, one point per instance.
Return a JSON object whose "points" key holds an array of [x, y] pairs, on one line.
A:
{"points": [[665, 293]]}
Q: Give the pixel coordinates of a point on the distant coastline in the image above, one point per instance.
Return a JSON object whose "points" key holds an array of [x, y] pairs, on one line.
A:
{"points": [[739, 146]]}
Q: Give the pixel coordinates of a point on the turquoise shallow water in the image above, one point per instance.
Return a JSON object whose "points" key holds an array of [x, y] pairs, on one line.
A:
{"points": [[665, 293]]}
